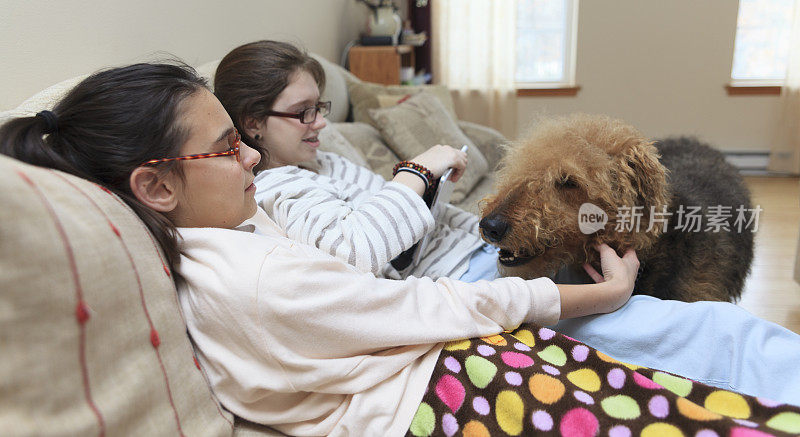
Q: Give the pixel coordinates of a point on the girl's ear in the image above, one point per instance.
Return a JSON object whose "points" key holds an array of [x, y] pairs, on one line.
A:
{"points": [[253, 126], [156, 192]]}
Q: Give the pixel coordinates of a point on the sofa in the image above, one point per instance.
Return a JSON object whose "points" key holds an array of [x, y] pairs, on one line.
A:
{"points": [[92, 339]]}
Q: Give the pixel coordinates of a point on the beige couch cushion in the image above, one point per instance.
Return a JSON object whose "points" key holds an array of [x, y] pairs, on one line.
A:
{"points": [[365, 96], [420, 122], [207, 71], [335, 89], [331, 140], [45, 99], [380, 159], [472, 203], [387, 100], [63, 242], [489, 141]]}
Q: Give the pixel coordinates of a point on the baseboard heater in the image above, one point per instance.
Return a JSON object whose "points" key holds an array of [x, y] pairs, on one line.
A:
{"points": [[748, 162]]}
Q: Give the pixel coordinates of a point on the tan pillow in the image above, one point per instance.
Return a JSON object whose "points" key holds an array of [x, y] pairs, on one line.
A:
{"points": [[387, 100], [331, 140], [420, 122], [364, 96], [59, 245], [380, 158]]}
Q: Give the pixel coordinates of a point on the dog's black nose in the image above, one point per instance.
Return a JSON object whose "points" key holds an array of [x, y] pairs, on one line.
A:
{"points": [[494, 228]]}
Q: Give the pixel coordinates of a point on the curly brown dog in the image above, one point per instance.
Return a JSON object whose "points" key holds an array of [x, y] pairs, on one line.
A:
{"points": [[555, 187]]}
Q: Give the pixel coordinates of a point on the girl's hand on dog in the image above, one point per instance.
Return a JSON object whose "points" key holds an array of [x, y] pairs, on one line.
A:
{"points": [[614, 287], [439, 158], [613, 266], [617, 272]]}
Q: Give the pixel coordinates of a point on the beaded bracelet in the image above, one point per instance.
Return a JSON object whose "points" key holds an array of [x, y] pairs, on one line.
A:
{"points": [[421, 176], [408, 164], [413, 167]]}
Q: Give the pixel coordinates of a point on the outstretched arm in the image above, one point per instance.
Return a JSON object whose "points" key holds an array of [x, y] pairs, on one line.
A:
{"points": [[354, 214]]}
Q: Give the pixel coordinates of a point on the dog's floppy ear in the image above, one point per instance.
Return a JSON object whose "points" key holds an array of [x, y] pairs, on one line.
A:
{"points": [[648, 178], [647, 175]]}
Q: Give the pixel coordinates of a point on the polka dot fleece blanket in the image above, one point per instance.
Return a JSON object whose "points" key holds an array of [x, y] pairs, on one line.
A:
{"points": [[535, 381]]}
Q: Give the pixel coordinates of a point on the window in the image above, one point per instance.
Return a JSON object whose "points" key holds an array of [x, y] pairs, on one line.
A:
{"points": [[545, 39], [762, 42]]}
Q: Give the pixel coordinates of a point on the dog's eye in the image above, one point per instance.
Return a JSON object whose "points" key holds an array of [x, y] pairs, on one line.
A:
{"points": [[567, 182]]}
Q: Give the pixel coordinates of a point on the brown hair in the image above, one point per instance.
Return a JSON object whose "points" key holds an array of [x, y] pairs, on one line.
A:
{"points": [[251, 77], [106, 127]]}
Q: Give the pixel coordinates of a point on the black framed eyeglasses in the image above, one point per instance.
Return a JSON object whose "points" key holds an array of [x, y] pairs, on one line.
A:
{"points": [[307, 115]]}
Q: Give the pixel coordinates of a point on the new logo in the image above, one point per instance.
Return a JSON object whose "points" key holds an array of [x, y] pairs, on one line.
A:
{"points": [[591, 218]]}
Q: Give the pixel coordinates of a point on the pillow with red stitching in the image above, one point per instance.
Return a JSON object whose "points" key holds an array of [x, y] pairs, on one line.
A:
{"points": [[93, 341]]}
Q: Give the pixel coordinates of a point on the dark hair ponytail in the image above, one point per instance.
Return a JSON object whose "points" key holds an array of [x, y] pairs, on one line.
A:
{"points": [[108, 125]]}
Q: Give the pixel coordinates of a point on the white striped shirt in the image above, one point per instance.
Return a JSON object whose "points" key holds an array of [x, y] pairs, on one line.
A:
{"points": [[354, 214]]}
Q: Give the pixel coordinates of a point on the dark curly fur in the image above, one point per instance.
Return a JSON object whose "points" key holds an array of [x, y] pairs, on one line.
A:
{"points": [[569, 161], [700, 265]]}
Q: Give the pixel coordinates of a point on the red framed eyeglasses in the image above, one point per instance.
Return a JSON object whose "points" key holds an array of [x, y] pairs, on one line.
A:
{"points": [[234, 141]]}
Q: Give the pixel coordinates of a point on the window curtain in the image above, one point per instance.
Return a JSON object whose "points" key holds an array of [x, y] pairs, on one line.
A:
{"points": [[785, 150], [473, 55]]}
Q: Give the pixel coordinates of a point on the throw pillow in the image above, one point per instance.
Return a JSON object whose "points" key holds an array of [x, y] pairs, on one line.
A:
{"points": [[421, 122], [387, 100], [331, 140], [380, 158], [93, 341], [364, 96]]}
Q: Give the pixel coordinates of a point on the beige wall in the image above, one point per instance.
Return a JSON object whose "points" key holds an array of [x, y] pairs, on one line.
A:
{"points": [[662, 65], [44, 42]]}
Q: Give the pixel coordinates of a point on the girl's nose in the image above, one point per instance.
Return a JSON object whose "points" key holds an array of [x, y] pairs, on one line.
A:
{"points": [[250, 157], [319, 122]]}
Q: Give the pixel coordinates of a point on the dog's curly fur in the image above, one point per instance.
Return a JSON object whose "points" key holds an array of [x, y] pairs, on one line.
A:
{"points": [[567, 161]]}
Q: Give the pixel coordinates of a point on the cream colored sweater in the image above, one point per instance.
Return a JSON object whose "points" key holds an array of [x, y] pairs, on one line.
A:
{"points": [[297, 339]]}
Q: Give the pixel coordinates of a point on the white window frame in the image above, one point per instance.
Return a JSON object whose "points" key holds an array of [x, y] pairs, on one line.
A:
{"points": [[756, 82], [570, 52]]}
